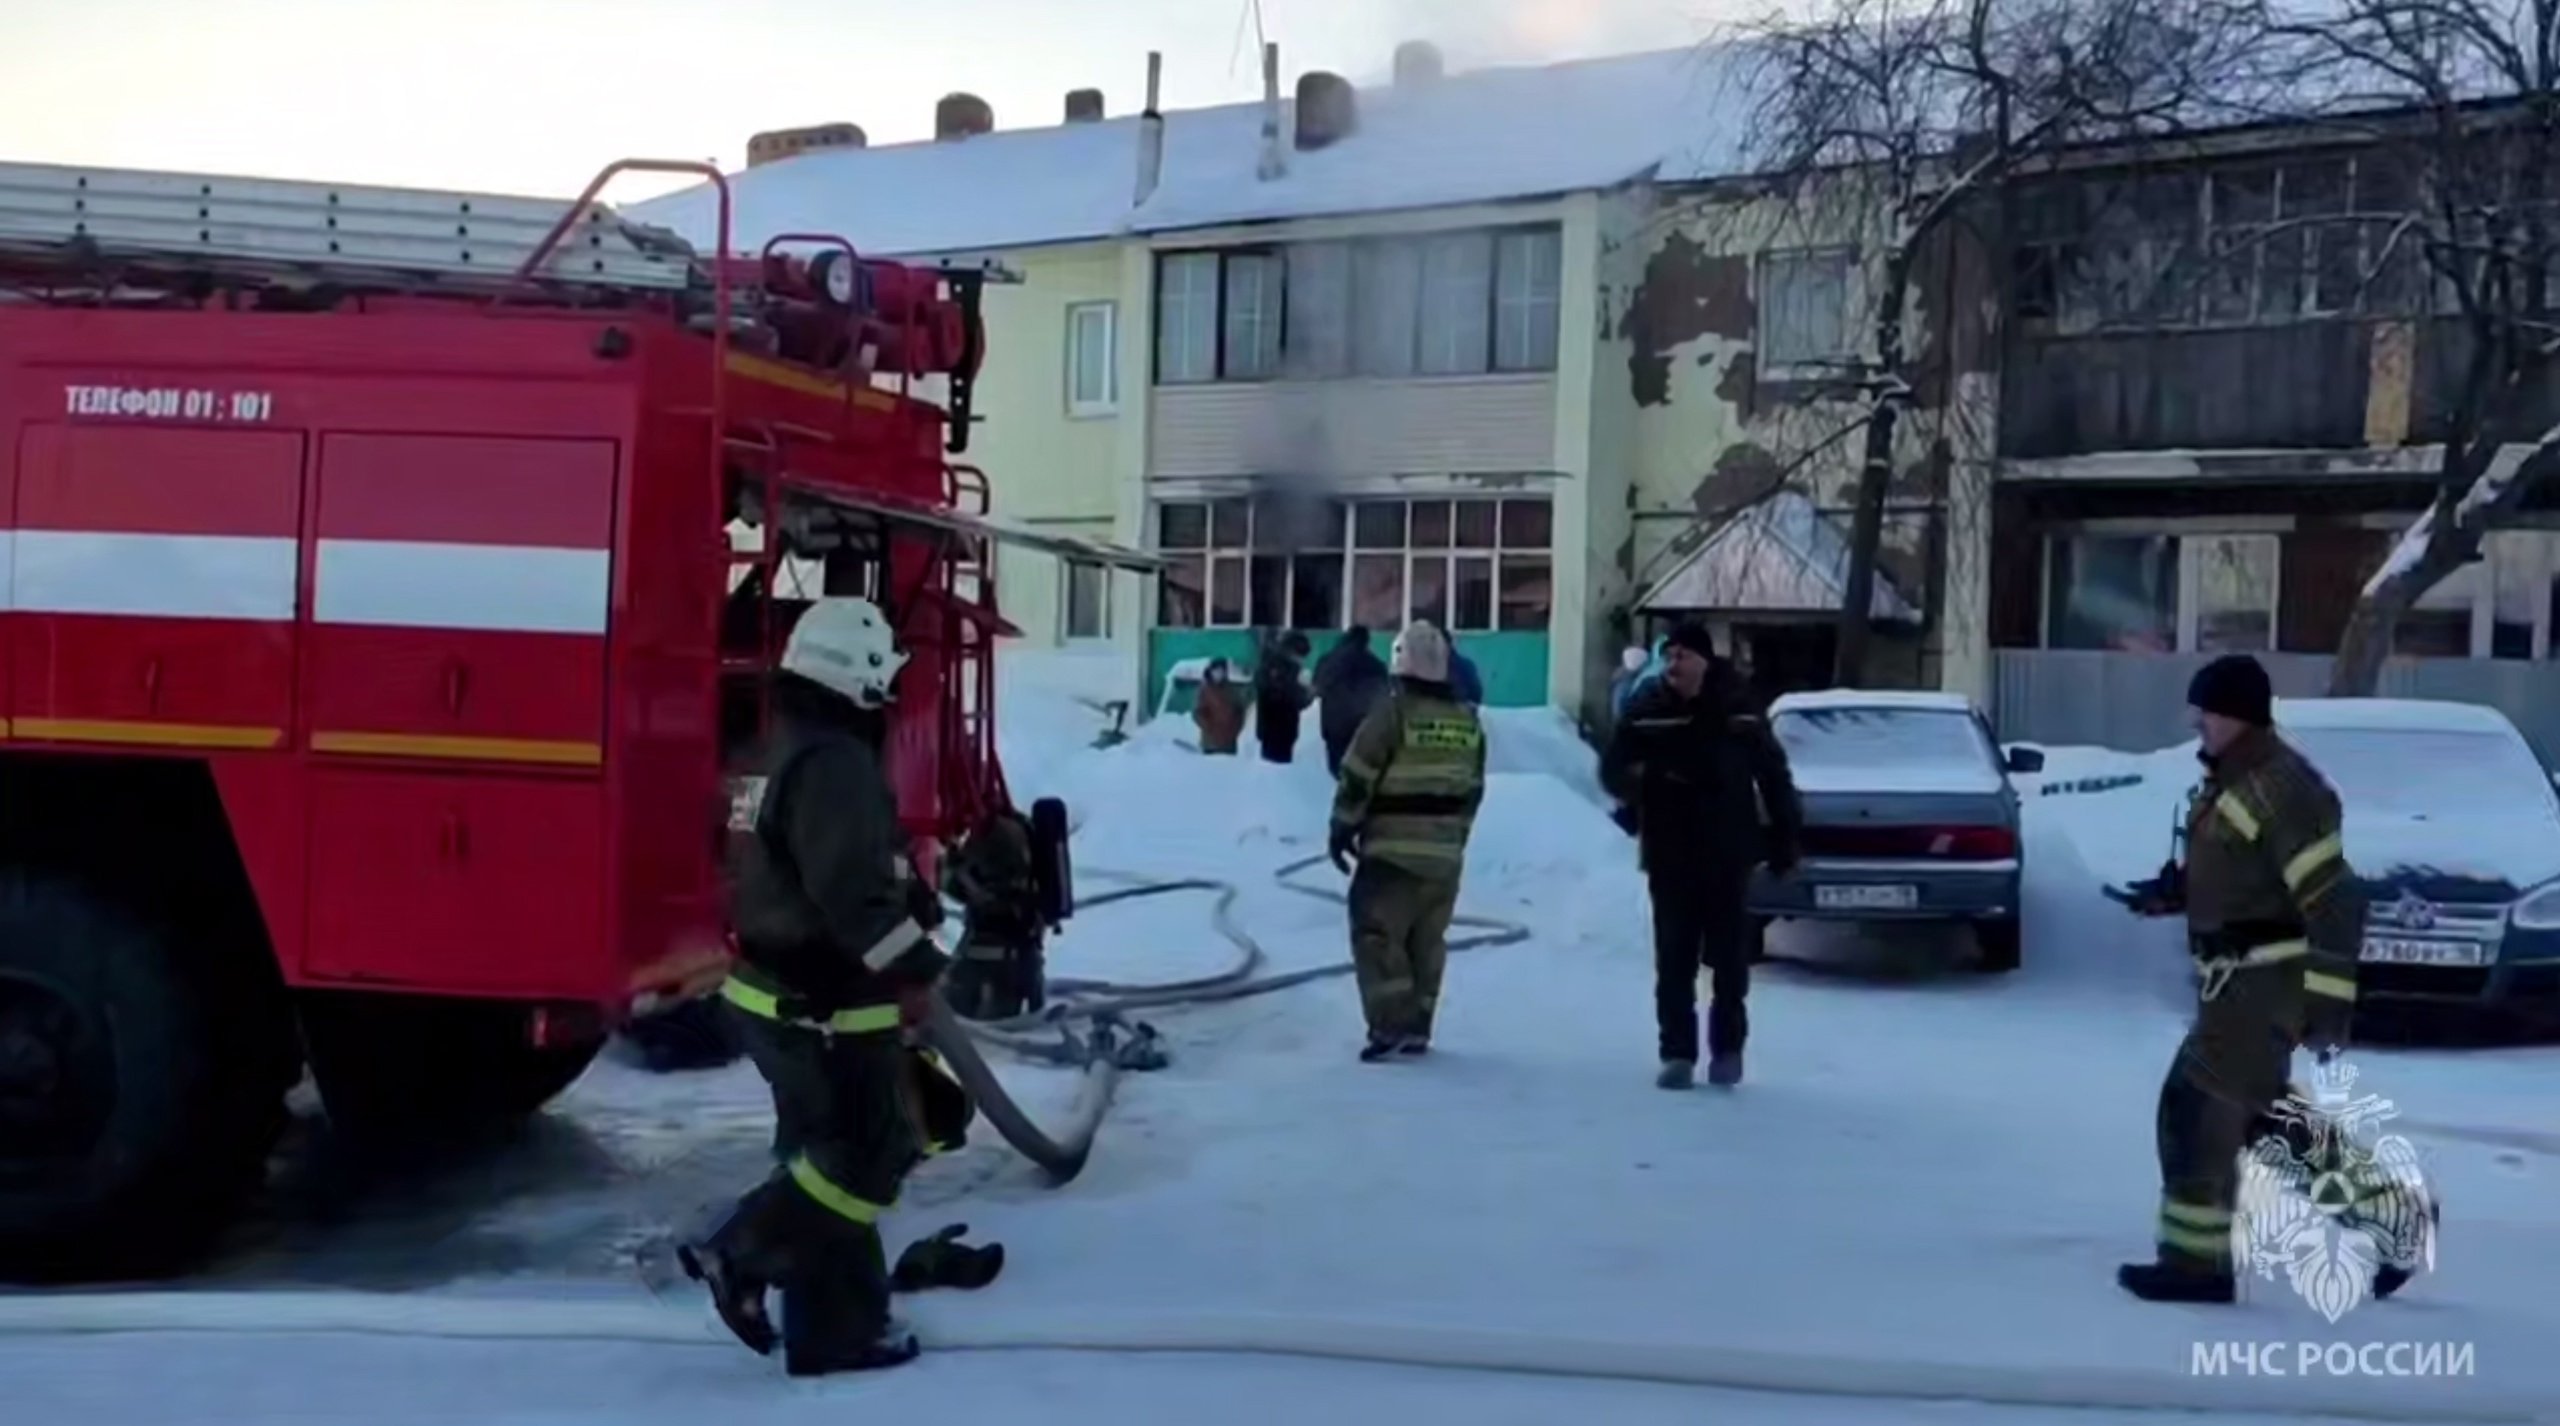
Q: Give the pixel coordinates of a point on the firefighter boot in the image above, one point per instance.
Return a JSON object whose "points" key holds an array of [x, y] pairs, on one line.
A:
{"points": [[835, 1313], [1725, 1070], [2169, 1282], [737, 1262], [1677, 1074], [1379, 1048]]}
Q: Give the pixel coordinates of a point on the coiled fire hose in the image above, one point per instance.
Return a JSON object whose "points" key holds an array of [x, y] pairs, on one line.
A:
{"points": [[1108, 1044]]}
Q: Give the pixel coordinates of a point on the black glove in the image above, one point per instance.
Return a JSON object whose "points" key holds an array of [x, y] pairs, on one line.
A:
{"points": [[1626, 819], [2162, 895], [944, 1261], [1343, 845]]}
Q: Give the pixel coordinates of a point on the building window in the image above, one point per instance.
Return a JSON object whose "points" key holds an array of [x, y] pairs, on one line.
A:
{"points": [[1085, 609], [1187, 317], [1451, 304], [1474, 565], [1457, 305], [1318, 341], [1253, 317], [2116, 592], [1804, 306], [1527, 293], [2235, 592], [1093, 358]]}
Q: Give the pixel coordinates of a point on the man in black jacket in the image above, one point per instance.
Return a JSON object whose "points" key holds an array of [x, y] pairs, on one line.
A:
{"points": [[1280, 697], [1349, 682], [1705, 788], [836, 961]]}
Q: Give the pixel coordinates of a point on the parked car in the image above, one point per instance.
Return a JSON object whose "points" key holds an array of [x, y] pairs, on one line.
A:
{"points": [[2453, 829], [1909, 815]]}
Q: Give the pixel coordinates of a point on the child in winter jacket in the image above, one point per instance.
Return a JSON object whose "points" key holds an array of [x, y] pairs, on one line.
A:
{"points": [[1219, 714]]}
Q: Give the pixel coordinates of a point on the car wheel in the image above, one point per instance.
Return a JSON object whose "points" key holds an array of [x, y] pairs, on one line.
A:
{"points": [[1999, 943]]}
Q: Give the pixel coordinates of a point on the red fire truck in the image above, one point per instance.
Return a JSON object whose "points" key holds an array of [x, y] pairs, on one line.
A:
{"points": [[375, 651]]}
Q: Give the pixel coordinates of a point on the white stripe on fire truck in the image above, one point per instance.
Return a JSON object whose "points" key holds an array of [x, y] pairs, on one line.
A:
{"points": [[151, 576], [499, 588]]}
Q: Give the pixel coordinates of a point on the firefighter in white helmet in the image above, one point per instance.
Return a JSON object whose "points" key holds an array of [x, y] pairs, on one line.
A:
{"points": [[836, 966], [1411, 782]]}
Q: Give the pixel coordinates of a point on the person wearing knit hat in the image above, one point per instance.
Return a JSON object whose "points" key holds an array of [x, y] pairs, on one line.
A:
{"points": [[2275, 922], [2233, 688], [1705, 789]]}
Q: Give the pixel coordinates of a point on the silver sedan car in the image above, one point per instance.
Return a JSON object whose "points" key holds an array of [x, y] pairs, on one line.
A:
{"points": [[1909, 816]]}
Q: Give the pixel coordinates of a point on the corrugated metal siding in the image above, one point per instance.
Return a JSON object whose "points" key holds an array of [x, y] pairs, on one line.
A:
{"points": [[2139, 701], [1422, 427]]}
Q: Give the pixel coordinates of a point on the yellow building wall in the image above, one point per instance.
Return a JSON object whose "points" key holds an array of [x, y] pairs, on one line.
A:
{"points": [[1044, 463]]}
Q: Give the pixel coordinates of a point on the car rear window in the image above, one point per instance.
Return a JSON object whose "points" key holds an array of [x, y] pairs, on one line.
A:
{"points": [[1880, 737]]}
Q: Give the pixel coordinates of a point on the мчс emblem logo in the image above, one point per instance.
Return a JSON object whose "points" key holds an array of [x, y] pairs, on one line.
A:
{"points": [[2331, 1200]]}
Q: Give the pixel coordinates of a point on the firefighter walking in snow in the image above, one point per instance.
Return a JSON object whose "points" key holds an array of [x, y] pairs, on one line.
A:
{"points": [[1410, 785], [1694, 768], [836, 964], [2275, 922]]}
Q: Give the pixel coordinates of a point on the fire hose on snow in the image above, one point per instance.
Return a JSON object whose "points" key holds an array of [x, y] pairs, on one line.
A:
{"points": [[1109, 1044]]}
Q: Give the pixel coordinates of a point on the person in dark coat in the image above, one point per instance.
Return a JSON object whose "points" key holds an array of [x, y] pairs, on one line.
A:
{"points": [[1349, 682], [1464, 679], [1693, 766], [1280, 697]]}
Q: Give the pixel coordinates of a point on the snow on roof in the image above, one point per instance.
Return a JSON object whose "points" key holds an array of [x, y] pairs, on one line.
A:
{"points": [[2392, 715], [1478, 136], [1482, 136], [1918, 699]]}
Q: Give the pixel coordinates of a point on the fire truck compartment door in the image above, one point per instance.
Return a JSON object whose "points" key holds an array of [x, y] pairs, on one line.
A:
{"points": [[461, 593], [153, 575], [460, 884]]}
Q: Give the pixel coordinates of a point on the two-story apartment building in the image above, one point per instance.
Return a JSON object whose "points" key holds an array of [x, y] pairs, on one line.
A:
{"points": [[1507, 349], [2227, 377]]}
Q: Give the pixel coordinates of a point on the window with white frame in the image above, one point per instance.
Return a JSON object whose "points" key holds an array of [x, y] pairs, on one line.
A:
{"points": [[1093, 358], [1318, 340], [1447, 304], [2118, 592], [1251, 325], [1475, 565], [1187, 317], [1528, 292], [2231, 586], [1457, 307], [1804, 306], [1084, 606]]}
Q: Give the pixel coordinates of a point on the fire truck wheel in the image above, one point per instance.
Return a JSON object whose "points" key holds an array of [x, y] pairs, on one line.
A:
{"points": [[132, 1120]]}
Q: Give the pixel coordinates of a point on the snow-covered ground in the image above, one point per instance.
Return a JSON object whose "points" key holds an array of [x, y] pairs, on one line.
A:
{"points": [[1921, 1191]]}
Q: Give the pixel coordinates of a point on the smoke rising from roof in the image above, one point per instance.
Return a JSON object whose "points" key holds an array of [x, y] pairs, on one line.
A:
{"points": [[1478, 32]]}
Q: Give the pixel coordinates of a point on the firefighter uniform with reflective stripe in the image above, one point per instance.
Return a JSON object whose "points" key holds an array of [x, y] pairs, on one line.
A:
{"points": [[833, 935], [1406, 802], [2275, 921]]}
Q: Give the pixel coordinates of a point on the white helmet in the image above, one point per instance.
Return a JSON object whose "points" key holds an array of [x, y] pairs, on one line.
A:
{"points": [[1421, 653], [844, 646]]}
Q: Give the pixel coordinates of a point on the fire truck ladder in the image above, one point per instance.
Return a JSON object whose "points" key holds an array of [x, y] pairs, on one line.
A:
{"points": [[351, 232]]}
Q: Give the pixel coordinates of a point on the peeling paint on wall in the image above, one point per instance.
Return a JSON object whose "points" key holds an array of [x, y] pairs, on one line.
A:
{"points": [[1743, 473], [1687, 293]]}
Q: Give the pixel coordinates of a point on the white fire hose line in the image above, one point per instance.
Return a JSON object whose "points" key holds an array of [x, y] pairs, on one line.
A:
{"points": [[992, 1329]]}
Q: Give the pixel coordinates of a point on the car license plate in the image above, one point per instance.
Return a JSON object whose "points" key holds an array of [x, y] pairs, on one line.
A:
{"points": [[1866, 898], [2408, 951]]}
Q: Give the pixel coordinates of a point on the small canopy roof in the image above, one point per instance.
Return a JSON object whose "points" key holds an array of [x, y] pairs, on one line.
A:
{"points": [[1780, 555]]}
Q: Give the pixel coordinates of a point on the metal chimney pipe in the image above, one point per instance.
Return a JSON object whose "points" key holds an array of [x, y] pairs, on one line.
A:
{"points": [[1272, 165], [1151, 131]]}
